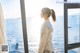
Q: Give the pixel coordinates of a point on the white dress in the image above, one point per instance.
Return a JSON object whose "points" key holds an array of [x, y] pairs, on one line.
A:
{"points": [[46, 37]]}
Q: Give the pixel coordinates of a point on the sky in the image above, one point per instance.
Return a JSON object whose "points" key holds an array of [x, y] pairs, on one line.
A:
{"points": [[34, 6], [11, 8]]}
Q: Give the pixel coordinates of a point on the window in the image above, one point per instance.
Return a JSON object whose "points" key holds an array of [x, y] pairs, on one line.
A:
{"points": [[13, 25], [73, 1], [74, 25], [74, 28], [76, 50], [63, 36]]}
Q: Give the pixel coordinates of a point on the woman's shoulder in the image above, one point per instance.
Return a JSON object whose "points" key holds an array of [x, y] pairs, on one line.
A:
{"points": [[45, 24], [48, 25]]}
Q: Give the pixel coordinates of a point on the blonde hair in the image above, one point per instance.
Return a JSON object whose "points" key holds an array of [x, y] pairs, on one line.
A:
{"points": [[49, 12]]}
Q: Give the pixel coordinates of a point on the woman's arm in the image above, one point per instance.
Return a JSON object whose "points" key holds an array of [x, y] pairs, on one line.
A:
{"points": [[44, 36]]}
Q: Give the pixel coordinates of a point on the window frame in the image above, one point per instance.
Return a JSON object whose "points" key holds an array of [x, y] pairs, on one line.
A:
{"points": [[24, 26], [66, 45]]}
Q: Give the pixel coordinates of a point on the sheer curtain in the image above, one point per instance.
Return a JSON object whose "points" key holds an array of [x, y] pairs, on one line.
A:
{"points": [[2, 35]]}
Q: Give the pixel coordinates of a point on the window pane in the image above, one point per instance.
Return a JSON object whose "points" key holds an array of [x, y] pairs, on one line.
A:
{"points": [[77, 50], [73, 25], [73, 1], [13, 25], [34, 22]]}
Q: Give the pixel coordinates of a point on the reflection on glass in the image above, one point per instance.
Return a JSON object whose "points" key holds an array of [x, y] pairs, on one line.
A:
{"points": [[13, 25], [73, 25], [77, 50], [34, 22]]}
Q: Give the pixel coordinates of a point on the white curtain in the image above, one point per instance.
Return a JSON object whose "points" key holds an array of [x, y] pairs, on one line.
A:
{"points": [[2, 36]]}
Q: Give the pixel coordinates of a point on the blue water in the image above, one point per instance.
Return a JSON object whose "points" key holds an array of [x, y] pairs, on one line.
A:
{"points": [[14, 36]]}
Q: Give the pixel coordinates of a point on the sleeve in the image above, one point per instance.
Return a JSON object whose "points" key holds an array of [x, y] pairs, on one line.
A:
{"points": [[44, 35]]}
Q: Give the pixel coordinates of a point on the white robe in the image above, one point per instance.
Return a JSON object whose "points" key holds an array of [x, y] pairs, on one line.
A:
{"points": [[46, 37]]}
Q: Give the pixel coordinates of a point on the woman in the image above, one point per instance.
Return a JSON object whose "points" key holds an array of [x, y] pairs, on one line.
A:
{"points": [[2, 37], [46, 37]]}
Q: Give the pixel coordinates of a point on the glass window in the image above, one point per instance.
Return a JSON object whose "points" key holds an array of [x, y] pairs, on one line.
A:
{"points": [[13, 25], [77, 50], [34, 22], [73, 26], [73, 1]]}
